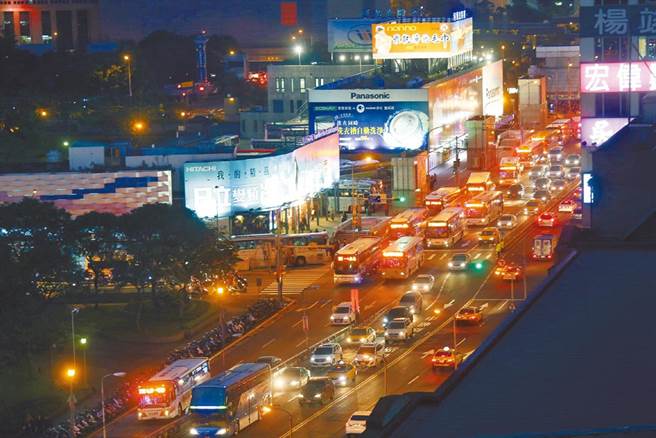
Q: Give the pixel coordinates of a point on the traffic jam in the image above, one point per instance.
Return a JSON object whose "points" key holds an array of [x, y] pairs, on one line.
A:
{"points": [[470, 228]]}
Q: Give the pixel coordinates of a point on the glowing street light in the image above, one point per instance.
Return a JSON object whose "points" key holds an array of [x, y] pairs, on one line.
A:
{"points": [[128, 59], [232, 53], [138, 126], [298, 49], [102, 397], [70, 373], [65, 143]]}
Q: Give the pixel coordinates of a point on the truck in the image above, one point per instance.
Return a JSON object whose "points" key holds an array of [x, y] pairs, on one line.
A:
{"points": [[543, 247]]}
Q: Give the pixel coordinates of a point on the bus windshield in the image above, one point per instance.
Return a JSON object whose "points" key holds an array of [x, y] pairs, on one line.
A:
{"points": [[393, 262], [208, 397], [476, 212], [437, 231], [346, 267], [155, 399]]}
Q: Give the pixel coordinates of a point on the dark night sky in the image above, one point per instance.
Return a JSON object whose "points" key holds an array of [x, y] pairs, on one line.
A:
{"points": [[252, 22]]}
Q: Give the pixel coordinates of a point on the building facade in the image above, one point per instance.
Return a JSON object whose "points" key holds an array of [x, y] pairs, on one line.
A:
{"points": [[560, 66], [61, 24], [82, 192]]}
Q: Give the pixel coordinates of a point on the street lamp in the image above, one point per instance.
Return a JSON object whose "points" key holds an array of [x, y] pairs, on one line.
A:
{"points": [[298, 49], [83, 343], [74, 311], [128, 60], [102, 397], [267, 409], [70, 374]]}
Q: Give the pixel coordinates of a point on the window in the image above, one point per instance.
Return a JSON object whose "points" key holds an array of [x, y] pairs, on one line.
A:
{"points": [[301, 84], [243, 126], [255, 126], [82, 29], [318, 82], [299, 103], [24, 27], [278, 106], [291, 84], [8, 24], [291, 106], [277, 85], [46, 27], [282, 85]]}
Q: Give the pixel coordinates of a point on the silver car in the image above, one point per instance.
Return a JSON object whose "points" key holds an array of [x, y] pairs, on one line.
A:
{"points": [[459, 262], [573, 173], [541, 184], [326, 354], [573, 160], [555, 155], [555, 171], [557, 185], [507, 222], [537, 171]]}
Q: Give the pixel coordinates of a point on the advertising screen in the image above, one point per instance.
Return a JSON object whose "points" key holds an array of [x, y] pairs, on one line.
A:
{"points": [[453, 101], [223, 188], [613, 77], [350, 35], [596, 130], [372, 119], [421, 40]]}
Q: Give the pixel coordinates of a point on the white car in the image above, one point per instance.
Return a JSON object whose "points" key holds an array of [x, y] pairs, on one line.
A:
{"points": [[537, 171], [423, 283], [573, 173], [326, 354], [369, 355], [573, 160], [357, 424], [557, 185], [555, 155], [507, 222], [343, 314], [459, 262], [555, 171], [399, 329]]}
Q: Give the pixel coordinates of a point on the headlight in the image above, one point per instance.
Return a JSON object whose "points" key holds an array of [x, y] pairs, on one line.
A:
{"points": [[221, 431], [349, 339], [279, 383], [426, 287], [193, 431], [366, 357], [385, 319], [414, 287], [450, 265], [317, 395], [295, 382], [342, 379], [313, 357], [386, 332], [332, 317], [412, 309], [301, 396]]}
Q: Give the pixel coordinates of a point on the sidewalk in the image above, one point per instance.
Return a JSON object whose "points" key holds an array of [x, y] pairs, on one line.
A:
{"points": [[446, 177]]}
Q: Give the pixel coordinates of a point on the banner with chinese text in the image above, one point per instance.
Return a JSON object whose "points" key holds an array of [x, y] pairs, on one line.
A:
{"points": [[618, 20], [613, 77]]}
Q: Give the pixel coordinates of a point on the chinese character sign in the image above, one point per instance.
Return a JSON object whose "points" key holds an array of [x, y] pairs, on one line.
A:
{"points": [[421, 40], [596, 130], [618, 20], [222, 188], [618, 76]]}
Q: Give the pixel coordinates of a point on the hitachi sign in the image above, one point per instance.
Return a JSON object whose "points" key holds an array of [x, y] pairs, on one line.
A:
{"points": [[355, 95]]}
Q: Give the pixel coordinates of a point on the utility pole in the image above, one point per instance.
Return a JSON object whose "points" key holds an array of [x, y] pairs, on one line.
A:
{"points": [[278, 256]]}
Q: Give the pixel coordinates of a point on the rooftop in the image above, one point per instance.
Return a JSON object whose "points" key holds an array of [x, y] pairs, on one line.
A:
{"points": [[551, 372]]}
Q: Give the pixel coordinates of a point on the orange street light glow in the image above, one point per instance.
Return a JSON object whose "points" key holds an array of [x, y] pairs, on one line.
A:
{"points": [[70, 373]]}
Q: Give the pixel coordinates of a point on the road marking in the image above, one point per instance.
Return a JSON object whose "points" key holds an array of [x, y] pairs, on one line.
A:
{"points": [[432, 304], [300, 321], [487, 257], [292, 399], [461, 341], [427, 353], [446, 277], [484, 306], [326, 302], [269, 343], [449, 304], [300, 343], [443, 255], [502, 305], [368, 306], [303, 309], [478, 255], [413, 380]]}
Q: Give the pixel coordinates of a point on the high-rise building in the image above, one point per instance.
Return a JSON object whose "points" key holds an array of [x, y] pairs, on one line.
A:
{"points": [[65, 25]]}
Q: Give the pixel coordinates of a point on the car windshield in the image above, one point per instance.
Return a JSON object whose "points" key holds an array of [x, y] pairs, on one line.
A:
{"points": [[408, 298], [575, 170], [289, 373], [460, 258], [506, 217], [555, 168], [359, 332], [546, 216], [397, 313], [366, 350], [396, 325], [359, 417], [324, 350], [468, 311], [314, 385], [540, 194], [444, 353], [342, 310], [487, 232], [423, 279]]}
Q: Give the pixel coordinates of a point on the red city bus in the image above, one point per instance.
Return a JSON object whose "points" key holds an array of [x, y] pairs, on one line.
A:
{"points": [[402, 258], [408, 223]]}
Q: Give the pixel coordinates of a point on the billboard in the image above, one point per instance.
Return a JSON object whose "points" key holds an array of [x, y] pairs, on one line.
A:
{"points": [[454, 100], [596, 130], [372, 119], [223, 188], [614, 77], [618, 20], [350, 35], [421, 40]]}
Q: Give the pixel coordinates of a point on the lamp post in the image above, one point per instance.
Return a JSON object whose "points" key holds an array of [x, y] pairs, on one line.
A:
{"points": [[298, 49], [102, 397], [74, 311], [128, 60], [83, 343], [70, 374]]}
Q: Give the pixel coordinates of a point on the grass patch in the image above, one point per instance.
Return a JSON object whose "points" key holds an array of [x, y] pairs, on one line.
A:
{"points": [[120, 320]]}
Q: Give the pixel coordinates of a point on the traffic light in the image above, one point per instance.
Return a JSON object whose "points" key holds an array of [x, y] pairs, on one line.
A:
{"points": [[402, 199], [478, 265]]}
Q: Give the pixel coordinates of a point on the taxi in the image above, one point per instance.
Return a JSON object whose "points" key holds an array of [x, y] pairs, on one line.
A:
{"points": [[547, 220], [369, 355], [500, 268], [567, 206], [361, 335], [489, 235], [342, 374], [446, 358], [470, 315], [512, 272]]}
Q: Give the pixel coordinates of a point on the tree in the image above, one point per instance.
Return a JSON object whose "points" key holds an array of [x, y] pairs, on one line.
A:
{"points": [[97, 240]]}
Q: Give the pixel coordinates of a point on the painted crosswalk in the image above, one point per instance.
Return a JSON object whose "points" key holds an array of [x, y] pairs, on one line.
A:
{"points": [[295, 281]]}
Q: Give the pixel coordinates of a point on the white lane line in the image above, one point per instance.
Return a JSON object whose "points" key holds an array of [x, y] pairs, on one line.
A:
{"points": [[502, 305], [300, 343], [442, 256], [303, 309], [478, 255], [432, 256], [269, 343], [324, 304], [292, 399], [461, 341], [413, 380], [300, 321], [487, 257]]}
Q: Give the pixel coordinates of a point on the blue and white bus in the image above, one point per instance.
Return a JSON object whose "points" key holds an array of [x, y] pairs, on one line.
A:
{"points": [[230, 401]]}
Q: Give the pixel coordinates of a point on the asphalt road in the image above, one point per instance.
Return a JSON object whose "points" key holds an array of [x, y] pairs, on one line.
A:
{"points": [[408, 366]]}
